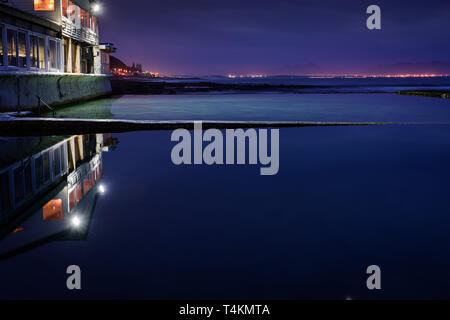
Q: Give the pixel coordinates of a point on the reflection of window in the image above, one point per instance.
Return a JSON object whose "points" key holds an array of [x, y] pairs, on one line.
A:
{"points": [[44, 5], [71, 199], [42, 53], [1, 46], [86, 185], [33, 51], [27, 177], [79, 193], [57, 161], [65, 5], [38, 171], [52, 210], [46, 161], [12, 47], [5, 204], [18, 185], [22, 50]]}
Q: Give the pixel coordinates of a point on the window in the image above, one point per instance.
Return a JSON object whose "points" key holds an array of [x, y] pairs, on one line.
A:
{"points": [[72, 199], [18, 185], [38, 171], [27, 177], [57, 162], [65, 5], [5, 203], [22, 50], [46, 169], [54, 56], [12, 47], [44, 5], [52, 210], [34, 47], [1, 46], [41, 53]]}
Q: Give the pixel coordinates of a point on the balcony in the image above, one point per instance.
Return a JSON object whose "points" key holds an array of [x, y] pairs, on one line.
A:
{"points": [[79, 33]]}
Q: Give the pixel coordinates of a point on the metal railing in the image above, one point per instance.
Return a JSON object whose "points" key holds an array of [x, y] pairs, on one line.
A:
{"points": [[40, 100]]}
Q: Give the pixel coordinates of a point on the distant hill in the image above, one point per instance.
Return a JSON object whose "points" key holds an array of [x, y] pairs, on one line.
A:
{"points": [[115, 63]]}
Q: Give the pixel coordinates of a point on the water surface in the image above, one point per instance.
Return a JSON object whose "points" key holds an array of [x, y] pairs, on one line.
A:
{"points": [[344, 198], [281, 107]]}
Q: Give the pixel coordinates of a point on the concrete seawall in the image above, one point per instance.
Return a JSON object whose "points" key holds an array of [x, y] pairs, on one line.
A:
{"points": [[20, 91]]}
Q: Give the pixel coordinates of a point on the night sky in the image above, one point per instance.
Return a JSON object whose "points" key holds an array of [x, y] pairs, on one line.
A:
{"points": [[209, 37]]}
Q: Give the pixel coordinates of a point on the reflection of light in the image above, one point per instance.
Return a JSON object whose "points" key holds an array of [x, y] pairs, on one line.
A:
{"points": [[95, 7], [101, 189], [76, 221]]}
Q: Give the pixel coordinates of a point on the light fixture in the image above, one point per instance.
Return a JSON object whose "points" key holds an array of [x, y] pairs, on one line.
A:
{"points": [[76, 221], [95, 7], [101, 189]]}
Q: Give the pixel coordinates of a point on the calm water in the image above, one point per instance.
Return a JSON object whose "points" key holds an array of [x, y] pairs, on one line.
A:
{"points": [[343, 199], [301, 107]]}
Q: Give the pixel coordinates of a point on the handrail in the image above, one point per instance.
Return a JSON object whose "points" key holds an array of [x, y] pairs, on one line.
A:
{"points": [[40, 100]]}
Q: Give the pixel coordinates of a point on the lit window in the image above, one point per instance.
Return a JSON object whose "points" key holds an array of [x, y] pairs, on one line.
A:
{"points": [[33, 51], [12, 47], [1, 46], [44, 5], [52, 210], [42, 53]]}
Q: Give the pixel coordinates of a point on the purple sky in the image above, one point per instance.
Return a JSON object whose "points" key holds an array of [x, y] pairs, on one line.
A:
{"points": [[208, 37]]}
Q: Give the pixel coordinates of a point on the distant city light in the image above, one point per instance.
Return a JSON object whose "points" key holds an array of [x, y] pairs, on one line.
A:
{"points": [[76, 221], [101, 189]]}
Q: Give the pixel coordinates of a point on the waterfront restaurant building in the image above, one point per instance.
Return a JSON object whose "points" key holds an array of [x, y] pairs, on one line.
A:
{"points": [[50, 36]]}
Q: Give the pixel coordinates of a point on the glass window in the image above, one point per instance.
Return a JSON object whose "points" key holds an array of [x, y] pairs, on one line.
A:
{"points": [[18, 185], [46, 169], [41, 53], [63, 162], [44, 5], [5, 203], [27, 177], [12, 47], [34, 51], [22, 50], [52, 210], [38, 171], [54, 55], [57, 161], [71, 199], [1, 46], [65, 5]]}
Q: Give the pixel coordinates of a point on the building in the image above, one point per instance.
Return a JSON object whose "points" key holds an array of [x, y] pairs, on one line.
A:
{"points": [[54, 38]]}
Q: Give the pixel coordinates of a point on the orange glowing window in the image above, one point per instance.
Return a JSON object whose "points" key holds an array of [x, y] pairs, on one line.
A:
{"points": [[71, 199], [52, 210], [79, 193], [44, 5], [86, 185]]}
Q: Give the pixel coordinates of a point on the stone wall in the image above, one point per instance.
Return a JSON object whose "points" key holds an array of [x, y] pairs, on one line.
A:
{"points": [[18, 91]]}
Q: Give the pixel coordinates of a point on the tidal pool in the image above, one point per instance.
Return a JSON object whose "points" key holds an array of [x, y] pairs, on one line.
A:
{"points": [[344, 198]]}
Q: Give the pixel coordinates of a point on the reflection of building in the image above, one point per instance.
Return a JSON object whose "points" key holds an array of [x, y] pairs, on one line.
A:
{"points": [[51, 35], [49, 194]]}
